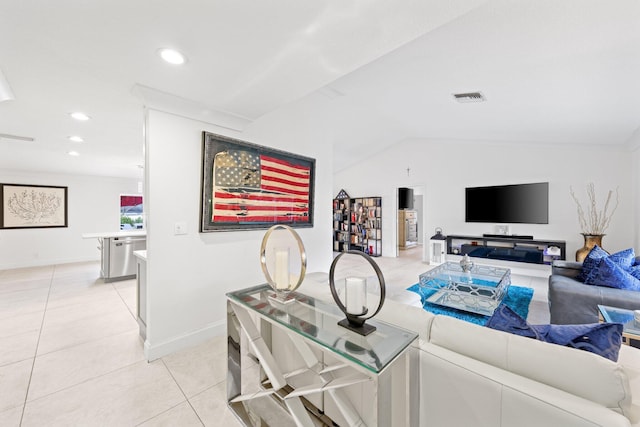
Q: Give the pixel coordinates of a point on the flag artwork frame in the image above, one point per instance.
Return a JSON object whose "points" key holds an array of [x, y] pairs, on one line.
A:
{"points": [[245, 186]]}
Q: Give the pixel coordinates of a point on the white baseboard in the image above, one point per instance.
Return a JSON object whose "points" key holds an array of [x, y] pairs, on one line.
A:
{"points": [[43, 262], [156, 351]]}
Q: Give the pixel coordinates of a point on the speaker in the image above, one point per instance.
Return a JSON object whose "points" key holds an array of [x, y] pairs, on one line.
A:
{"points": [[405, 198]]}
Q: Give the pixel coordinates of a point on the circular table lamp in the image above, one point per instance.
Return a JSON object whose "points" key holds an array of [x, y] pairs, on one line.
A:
{"points": [[355, 296], [283, 261]]}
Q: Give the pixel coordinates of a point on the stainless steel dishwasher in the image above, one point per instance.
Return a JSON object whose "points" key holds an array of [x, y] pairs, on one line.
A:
{"points": [[118, 261]]}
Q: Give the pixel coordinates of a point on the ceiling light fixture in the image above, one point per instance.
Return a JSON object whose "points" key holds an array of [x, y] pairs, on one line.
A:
{"points": [[172, 56], [73, 153], [78, 115], [76, 138]]}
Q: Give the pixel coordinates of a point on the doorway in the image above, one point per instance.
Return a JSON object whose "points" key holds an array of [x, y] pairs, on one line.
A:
{"points": [[410, 219]]}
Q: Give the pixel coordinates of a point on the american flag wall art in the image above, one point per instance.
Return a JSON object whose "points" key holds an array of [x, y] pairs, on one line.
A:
{"points": [[247, 186]]}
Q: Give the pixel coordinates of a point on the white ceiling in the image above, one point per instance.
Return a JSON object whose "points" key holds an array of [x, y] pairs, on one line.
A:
{"points": [[553, 71]]}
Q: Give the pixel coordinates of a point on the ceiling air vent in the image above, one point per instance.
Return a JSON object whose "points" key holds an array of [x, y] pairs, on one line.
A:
{"points": [[469, 97]]}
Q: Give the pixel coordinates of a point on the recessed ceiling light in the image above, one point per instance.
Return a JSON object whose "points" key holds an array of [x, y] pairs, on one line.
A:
{"points": [[80, 116], [76, 138], [73, 153], [172, 56]]}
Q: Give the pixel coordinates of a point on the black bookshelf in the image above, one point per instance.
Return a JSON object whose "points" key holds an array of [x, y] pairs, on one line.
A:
{"points": [[357, 224]]}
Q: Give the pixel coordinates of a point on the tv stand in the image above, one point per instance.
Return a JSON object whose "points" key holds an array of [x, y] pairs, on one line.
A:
{"points": [[508, 248], [511, 236]]}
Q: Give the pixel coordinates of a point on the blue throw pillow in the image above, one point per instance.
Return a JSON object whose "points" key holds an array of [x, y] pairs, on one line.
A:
{"points": [[609, 274], [603, 339], [635, 271], [591, 261], [623, 259]]}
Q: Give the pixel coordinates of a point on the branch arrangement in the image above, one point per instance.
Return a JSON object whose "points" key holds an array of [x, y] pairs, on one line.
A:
{"points": [[597, 221]]}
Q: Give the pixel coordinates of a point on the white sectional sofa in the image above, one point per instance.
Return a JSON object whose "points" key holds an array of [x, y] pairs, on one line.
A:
{"points": [[475, 376]]}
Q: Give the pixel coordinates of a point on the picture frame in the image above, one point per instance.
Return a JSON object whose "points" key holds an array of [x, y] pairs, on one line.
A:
{"points": [[33, 206], [245, 186]]}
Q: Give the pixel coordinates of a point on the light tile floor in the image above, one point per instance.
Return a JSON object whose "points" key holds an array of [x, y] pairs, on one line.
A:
{"points": [[70, 353]]}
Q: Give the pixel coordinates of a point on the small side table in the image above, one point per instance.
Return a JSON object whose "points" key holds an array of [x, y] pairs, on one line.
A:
{"points": [[630, 328]]}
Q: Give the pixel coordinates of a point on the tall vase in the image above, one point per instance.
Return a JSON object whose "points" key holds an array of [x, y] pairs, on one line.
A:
{"points": [[590, 240]]}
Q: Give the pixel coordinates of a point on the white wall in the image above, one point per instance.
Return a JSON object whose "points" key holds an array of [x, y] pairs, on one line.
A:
{"points": [[188, 275], [445, 168], [93, 206], [635, 159], [634, 143]]}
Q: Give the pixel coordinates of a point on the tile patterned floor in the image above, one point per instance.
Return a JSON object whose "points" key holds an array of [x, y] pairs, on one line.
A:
{"points": [[70, 353]]}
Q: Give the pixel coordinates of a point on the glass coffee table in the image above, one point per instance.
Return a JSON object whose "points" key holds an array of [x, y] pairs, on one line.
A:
{"points": [[479, 290], [630, 328]]}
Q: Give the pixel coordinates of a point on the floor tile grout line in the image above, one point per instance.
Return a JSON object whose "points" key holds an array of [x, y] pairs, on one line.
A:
{"points": [[169, 409], [35, 355], [85, 381], [181, 391], [134, 315], [87, 342]]}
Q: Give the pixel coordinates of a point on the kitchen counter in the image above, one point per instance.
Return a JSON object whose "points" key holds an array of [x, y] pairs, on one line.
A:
{"points": [[109, 234], [117, 252]]}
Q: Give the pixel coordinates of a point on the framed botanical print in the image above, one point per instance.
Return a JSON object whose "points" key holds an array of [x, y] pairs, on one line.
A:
{"points": [[33, 206]]}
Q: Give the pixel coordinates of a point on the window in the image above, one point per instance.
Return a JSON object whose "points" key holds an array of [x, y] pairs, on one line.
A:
{"points": [[131, 212]]}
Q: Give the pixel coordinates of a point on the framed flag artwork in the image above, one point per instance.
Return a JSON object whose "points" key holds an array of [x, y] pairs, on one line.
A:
{"points": [[246, 186]]}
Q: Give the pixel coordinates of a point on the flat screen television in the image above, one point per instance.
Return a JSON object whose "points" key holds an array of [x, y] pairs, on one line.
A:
{"points": [[519, 203], [405, 198]]}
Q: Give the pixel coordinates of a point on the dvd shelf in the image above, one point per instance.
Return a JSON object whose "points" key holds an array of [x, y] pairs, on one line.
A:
{"points": [[341, 224], [357, 224]]}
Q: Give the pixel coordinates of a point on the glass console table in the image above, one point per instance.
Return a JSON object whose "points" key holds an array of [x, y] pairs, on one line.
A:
{"points": [[292, 364], [480, 290]]}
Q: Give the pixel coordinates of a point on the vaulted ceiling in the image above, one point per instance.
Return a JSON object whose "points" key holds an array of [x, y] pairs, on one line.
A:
{"points": [[552, 71]]}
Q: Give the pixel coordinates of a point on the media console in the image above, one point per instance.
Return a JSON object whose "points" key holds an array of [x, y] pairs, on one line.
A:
{"points": [[508, 248]]}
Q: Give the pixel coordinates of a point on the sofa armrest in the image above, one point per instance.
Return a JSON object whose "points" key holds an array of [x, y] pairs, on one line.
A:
{"points": [[566, 268], [573, 302]]}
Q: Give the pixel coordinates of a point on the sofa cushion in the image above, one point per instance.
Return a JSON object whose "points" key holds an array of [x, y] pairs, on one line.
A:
{"points": [[577, 372], [450, 381], [610, 274], [603, 339]]}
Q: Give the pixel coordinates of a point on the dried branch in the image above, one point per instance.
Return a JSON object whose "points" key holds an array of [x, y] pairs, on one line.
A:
{"points": [[598, 220]]}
